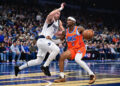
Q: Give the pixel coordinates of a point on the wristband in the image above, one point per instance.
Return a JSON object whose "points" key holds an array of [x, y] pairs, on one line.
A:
{"points": [[60, 8]]}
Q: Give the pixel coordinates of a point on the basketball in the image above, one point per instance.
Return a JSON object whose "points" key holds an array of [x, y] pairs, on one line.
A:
{"points": [[88, 34]]}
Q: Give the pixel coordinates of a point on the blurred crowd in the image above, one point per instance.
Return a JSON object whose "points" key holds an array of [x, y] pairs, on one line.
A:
{"points": [[20, 25]]}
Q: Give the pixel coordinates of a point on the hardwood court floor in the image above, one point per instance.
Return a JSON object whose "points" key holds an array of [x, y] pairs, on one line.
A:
{"points": [[107, 72]]}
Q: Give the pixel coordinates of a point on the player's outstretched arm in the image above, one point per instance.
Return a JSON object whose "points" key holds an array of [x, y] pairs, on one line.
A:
{"points": [[61, 26], [51, 14], [61, 39]]}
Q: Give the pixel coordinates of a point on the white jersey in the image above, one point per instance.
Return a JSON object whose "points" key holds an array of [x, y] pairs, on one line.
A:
{"points": [[50, 29]]}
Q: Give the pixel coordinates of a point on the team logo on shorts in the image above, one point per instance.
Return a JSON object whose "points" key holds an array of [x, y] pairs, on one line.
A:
{"points": [[79, 51], [49, 44]]}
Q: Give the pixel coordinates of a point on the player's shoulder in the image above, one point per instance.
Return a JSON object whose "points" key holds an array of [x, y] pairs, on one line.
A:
{"points": [[80, 28]]}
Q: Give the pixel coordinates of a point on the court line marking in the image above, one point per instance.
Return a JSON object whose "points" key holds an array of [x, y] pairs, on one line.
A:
{"points": [[49, 83], [55, 78], [71, 83], [30, 74], [34, 74]]}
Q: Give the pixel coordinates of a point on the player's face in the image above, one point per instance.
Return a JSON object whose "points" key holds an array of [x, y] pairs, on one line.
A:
{"points": [[57, 15], [69, 22]]}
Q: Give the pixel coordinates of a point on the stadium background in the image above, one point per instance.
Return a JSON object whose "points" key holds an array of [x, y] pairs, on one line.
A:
{"points": [[22, 20]]}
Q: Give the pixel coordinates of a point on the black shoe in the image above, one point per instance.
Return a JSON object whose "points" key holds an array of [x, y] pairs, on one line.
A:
{"points": [[46, 70], [16, 68]]}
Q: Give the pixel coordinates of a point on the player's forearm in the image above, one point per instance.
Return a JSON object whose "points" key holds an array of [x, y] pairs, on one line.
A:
{"points": [[51, 15], [58, 41], [61, 26], [55, 11]]}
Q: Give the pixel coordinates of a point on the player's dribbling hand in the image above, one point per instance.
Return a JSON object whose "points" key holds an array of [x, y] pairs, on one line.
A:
{"points": [[63, 4]]}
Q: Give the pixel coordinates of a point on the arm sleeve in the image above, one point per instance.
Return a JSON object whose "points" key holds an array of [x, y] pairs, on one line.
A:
{"points": [[57, 41]]}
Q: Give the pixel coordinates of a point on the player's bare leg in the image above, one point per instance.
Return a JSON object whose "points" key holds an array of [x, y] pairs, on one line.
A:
{"points": [[65, 55], [78, 58]]}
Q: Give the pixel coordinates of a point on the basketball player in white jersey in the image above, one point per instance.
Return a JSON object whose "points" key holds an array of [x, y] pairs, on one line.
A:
{"points": [[45, 44]]}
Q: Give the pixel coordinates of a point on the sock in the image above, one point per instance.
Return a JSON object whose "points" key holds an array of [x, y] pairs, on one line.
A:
{"points": [[62, 75]]}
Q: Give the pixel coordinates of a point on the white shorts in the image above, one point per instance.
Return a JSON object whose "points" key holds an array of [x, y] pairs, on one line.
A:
{"points": [[45, 45]]}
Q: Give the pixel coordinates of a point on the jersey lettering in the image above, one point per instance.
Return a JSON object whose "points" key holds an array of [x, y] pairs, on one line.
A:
{"points": [[71, 38]]}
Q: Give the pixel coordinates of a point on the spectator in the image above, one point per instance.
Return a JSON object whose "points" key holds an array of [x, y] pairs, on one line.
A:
{"points": [[112, 50], [3, 52], [15, 52], [107, 50], [21, 48], [1, 37], [38, 17], [27, 51], [33, 50], [32, 37], [102, 53], [7, 51]]}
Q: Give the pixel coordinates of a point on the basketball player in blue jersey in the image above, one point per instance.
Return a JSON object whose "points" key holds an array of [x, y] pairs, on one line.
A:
{"points": [[45, 43]]}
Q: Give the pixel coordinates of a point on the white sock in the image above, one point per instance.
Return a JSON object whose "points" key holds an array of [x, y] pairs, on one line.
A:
{"points": [[62, 75], [78, 58], [37, 61]]}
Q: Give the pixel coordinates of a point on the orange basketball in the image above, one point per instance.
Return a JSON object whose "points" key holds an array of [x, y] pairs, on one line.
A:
{"points": [[88, 34]]}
